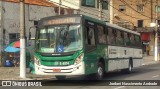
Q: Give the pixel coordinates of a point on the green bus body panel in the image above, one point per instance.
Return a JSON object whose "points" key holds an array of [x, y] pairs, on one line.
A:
{"points": [[92, 58]]}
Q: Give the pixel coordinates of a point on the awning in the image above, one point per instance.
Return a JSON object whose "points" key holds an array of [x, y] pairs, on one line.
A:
{"points": [[145, 36]]}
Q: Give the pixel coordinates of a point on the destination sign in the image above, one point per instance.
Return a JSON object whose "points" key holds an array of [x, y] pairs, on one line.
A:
{"points": [[67, 20]]}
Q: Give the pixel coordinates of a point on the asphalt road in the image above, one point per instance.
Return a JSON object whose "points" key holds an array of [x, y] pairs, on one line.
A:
{"points": [[147, 72]]}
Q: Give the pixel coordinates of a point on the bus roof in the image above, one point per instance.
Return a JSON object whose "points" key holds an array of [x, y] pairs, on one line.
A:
{"points": [[111, 25]]}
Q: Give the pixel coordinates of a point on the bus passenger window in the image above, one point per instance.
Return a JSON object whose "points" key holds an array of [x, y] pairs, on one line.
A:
{"points": [[132, 40], [138, 40], [119, 38], [111, 36], [101, 34], [90, 39], [114, 35], [126, 39]]}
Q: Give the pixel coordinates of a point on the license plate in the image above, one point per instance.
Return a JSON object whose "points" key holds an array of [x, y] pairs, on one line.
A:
{"points": [[56, 70]]}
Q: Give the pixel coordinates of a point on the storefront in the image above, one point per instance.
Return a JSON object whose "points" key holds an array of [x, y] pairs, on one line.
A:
{"points": [[145, 36]]}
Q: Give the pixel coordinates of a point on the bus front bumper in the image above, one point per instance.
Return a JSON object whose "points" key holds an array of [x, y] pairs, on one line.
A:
{"points": [[78, 69]]}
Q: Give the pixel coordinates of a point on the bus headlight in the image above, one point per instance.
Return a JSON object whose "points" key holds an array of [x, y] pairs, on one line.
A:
{"points": [[37, 61], [79, 59]]}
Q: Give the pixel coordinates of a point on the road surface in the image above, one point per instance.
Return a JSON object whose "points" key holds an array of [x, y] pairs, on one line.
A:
{"points": [[147, 72]]}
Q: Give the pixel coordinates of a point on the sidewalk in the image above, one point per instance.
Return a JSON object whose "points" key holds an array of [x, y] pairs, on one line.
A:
{"points": [[149, 60], [12, 73]]}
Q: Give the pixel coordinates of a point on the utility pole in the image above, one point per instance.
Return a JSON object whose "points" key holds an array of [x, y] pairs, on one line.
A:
{"points": [[60, 2], [111, 11], [100, 9], [22, 41], [156, 35], [1, 31], [151, 11]]}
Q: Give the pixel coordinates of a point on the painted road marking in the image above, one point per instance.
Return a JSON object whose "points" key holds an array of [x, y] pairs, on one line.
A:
{"points": [[155, 76], [119, 87]]}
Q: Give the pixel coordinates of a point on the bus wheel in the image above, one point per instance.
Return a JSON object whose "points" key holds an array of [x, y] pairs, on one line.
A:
{"points": [[129, 69], [60, 77], [100, 71]]}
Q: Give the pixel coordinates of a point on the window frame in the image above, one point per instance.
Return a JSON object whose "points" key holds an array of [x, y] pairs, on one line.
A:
{"points": [[122, 8], [88, 47], [140, 7], [17, 37], [84, 3], [140, 23]]}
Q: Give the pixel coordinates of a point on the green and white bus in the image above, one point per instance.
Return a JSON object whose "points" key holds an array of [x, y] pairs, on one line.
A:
{"points": [[80, 45]]}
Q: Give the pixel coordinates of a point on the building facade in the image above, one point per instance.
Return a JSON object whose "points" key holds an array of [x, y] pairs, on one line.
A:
{"points": [[95, 8], [138, 15], [10, 20]]}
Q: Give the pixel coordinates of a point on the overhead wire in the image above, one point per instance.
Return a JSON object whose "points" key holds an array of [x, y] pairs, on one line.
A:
{"points": [[125, 13], [134, 9], [146, 8], [94, 14], [78, 10]]}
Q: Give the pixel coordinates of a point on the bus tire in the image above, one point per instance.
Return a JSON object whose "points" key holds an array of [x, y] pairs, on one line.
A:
{"points": [[129, 69], [100, 71], [60, 77]]}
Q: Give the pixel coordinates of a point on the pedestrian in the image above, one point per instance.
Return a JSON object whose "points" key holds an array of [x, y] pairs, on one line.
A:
{"points": [[148, 49]]}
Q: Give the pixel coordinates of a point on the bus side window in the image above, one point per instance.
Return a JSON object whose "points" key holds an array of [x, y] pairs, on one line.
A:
{"points": [[138, 40], [129, 39], [126, 39], [135, 42], [119, 38], [101, 34], [109, 36], [114, 35], [90, 38], [132, 40]]}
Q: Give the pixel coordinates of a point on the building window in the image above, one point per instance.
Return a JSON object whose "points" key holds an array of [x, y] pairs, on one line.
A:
{"points": [[140, 23], [13, 37], [157, 9], [140, 8], [104, 5], [89, 3], [122, 7]]}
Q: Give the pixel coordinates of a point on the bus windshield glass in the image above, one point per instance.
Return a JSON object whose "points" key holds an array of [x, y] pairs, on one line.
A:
{"points": [[59, 39]]}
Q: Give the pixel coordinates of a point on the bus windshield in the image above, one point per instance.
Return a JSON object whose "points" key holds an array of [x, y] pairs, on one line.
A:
{"points": [[59, 39]]}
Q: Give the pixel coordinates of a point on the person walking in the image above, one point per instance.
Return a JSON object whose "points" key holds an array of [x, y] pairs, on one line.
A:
{"points": [[148, 50]]}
